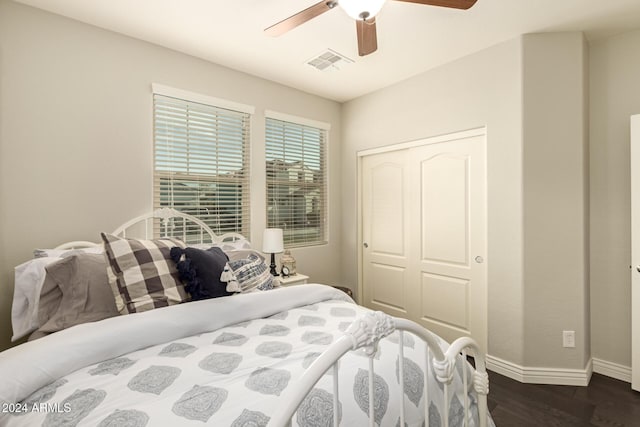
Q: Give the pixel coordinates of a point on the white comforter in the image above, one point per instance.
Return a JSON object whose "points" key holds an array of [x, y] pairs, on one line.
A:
{"points": [[217, 362]]}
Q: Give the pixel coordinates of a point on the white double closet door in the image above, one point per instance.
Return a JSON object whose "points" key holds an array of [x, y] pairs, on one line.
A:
{"points": [[423, 231]]}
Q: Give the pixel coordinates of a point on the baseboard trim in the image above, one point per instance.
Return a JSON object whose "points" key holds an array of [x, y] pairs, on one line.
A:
{"points": [[535, 375], [611, 369]]}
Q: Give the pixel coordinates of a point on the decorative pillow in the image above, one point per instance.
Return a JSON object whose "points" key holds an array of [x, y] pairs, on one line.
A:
{"points": [[252, 273], [141, 273], [200, 271], [229, 278], [76, 290]]}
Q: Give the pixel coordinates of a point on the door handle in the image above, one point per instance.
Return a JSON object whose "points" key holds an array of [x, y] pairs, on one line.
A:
{"points": [[638, 268], [479, 259], [365, 244]]}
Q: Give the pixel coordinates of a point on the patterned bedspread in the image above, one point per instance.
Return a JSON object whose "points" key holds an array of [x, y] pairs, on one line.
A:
{"points": [[234, 375]]}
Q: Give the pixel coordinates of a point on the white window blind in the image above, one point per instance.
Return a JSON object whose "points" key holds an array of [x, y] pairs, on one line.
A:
{"points": [[296, 182], [202, 163]]}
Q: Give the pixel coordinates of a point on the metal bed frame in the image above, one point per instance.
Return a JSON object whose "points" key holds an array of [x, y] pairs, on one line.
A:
{"points": [[363, 335]]}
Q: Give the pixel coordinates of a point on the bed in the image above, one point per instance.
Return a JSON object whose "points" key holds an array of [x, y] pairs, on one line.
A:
{"points": [[304, 355]]}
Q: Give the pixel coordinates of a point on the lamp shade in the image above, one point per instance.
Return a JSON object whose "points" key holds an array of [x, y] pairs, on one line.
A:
{"points": [[355, 8], [272, 242]]}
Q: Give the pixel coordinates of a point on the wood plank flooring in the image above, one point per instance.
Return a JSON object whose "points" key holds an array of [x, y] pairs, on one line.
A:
{"points": [[605, 402]]}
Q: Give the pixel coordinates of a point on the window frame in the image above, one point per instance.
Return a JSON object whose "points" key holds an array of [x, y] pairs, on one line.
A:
{"points": [[213, 109]]}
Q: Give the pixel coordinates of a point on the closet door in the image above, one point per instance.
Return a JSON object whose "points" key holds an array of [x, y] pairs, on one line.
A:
{"points": [[424, 234], [450, 243], [385, 251]]}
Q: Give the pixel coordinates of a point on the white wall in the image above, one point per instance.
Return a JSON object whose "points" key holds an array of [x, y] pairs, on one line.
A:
{"points": [[76, 136], [478, 90], [556, 197], [615, 96]]}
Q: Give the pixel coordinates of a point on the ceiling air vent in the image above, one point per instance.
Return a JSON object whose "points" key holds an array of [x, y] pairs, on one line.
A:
{"points": [[329, 60]]}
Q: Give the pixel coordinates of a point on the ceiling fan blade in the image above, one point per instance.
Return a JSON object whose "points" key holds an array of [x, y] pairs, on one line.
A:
{"points": [[455, 4], [300, 18], [367, 38]]}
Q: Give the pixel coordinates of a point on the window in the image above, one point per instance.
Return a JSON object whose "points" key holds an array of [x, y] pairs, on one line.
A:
{"points": [[202, 162], [296, 181]]}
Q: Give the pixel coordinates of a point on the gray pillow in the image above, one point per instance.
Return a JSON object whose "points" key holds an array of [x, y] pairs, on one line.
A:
{"points": [[76, 290]]}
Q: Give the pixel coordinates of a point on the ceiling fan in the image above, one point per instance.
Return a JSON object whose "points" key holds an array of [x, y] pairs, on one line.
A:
{"points": [[363, 11]]}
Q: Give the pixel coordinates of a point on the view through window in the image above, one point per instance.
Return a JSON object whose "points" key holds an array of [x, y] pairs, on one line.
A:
{"points": [[296, 181]]}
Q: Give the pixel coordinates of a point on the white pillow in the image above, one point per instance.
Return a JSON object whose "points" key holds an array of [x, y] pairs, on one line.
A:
{"points": [[29, 277], [236, 245], [63, 253]]}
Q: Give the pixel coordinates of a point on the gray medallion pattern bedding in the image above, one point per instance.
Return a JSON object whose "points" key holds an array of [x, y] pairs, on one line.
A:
{"points": [[229, 375]]}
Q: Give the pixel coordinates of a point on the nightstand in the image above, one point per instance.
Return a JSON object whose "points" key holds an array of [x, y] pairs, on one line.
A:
{"points": [[296, 279]]}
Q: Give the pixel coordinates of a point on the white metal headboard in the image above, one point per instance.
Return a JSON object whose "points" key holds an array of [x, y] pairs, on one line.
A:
{"points": [[168, 218]]}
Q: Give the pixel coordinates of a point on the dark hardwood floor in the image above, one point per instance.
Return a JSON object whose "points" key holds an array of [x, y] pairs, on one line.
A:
{"points": [[605, 402]]}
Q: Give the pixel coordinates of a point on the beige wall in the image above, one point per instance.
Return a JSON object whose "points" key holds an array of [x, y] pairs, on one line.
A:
{"points": [[577, 245], [76, 136], [483, 89], [555, 154], [536, 118], [615, 96]]}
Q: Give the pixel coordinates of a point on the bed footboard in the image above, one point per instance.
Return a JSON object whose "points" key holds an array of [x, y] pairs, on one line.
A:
{"points": [[364, 335]]}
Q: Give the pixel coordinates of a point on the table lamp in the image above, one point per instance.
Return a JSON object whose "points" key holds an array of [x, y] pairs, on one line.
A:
{"points": [[273, 244]]}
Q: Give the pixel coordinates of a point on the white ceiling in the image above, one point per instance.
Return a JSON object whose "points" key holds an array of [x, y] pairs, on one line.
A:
{"points": [[412, 38]]}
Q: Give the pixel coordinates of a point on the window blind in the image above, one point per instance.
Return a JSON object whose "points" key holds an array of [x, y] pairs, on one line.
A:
{"points": [[201, 168], [296, 182]]}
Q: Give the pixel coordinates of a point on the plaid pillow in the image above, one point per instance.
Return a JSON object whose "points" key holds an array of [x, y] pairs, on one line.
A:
{"points": [[141, 273], [252, 273]]}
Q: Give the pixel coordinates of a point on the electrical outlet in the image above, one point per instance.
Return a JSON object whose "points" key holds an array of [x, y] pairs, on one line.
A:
{"points": [[569, 339]]}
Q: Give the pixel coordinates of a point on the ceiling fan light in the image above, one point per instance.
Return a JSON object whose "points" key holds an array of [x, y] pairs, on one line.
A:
{"points": [[359, 9]]}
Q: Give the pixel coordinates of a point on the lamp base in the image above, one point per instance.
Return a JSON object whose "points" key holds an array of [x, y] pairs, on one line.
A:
{"points": [[273, 265]]}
